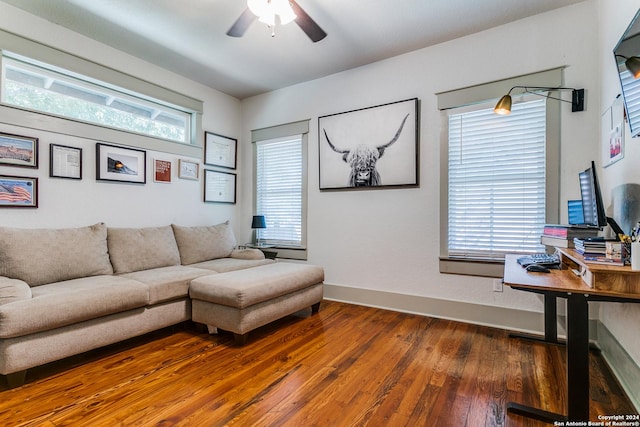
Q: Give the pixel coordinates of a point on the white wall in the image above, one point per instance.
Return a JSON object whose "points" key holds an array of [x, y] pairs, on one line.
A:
{"points": [[67, 203], [615, 16], [388, 240]]}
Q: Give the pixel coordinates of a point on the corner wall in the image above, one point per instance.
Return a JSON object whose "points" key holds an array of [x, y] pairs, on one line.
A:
{"points": [[388, 240], [69, 203]]}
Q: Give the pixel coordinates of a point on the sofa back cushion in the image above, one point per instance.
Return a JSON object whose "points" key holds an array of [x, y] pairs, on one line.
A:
{"points": [[199, 244], [40, 256], [135, 249]]}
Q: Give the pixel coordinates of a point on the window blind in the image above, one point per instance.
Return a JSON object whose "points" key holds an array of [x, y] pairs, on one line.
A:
{"points": [[279, 187], [631, 88], [497, 173]]}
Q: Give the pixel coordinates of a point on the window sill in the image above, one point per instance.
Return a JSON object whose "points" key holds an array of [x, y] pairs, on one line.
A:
{"points": [[472, 267]]}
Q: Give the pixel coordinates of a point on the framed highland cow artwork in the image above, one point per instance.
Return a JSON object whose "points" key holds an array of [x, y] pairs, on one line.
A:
{"points": [[370, 148]]}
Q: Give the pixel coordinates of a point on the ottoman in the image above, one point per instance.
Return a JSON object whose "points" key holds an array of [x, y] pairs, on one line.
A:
{"points": [[242, 300]]}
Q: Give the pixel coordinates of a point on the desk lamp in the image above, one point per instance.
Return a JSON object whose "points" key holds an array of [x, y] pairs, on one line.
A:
{"points": [[257, 223]]}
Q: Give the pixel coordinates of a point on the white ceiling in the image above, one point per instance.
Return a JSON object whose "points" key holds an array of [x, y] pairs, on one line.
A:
{"points": [[188, 36]]}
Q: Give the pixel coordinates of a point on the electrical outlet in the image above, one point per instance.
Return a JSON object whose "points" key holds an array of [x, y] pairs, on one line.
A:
{"points": [[497, 285]]}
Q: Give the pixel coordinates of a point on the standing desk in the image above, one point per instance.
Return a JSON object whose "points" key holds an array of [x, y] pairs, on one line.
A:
{"points": [[579, 283]]}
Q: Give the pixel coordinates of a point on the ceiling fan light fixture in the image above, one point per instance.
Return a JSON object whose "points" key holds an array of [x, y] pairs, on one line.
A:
{"points": [[266, 11], [633, 65]]}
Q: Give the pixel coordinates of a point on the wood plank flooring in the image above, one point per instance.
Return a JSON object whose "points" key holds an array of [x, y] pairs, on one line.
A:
{"points": [[345, 366]]}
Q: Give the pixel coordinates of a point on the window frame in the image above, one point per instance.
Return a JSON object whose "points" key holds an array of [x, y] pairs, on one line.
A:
{"points": [[472, 97], [23, 117], [275, 133]]}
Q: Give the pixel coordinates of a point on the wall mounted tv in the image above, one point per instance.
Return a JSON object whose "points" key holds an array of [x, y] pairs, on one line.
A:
{"points": [[627, 57]]}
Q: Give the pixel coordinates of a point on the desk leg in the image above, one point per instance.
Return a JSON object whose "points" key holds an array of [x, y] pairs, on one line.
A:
{"points": [[577, 367], [550, 323], [578, 357]]}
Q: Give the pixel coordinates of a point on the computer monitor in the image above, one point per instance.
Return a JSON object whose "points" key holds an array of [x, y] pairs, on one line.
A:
{"points": [[592, 204]]}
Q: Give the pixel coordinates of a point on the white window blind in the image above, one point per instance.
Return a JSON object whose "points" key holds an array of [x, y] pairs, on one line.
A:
{"points": [[497, 174], [279, 190], [631, 88]]}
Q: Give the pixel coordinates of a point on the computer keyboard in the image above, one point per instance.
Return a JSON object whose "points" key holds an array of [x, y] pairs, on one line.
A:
{"points": [[541, 259]]}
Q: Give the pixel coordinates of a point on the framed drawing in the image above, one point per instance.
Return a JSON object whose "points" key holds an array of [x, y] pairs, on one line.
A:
{"points": [[18, 192], [162, 170], [219, 187], [370, 148], [188, 169], [16, 150], [65, 162], [220, 150], [120, 164], [613, 130]]}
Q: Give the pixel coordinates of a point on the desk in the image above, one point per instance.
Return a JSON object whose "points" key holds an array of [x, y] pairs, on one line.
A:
{"points": [[564, 283]]}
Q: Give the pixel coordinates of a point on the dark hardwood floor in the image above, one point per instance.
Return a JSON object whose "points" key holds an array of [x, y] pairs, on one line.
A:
{"points": [[345, 366]]}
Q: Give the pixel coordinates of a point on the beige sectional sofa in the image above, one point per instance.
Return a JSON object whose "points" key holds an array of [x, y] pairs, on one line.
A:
{"points": [[66, 291]]}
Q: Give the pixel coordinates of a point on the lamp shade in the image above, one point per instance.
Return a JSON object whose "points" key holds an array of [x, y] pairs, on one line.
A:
{"points": [[258, 222], [503, 106]]}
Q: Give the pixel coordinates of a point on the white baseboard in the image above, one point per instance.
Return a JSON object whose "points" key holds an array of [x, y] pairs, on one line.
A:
{"points": [[622, 365]]}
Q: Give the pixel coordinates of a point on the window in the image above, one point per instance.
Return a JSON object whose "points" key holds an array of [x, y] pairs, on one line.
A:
{"points": [[280, 188], [497, 181], [500, 175], [44, 88]]}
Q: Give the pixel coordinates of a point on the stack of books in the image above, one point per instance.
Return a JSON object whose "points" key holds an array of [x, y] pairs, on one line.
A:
{"points": [[600, 251], [562, 236]]}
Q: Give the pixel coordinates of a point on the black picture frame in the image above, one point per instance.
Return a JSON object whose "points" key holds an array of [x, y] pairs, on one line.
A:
{"points": [[370, 148], [220, 150], [18, 150], [219, 187], [120, 164], [18, 192], [65, 162]]}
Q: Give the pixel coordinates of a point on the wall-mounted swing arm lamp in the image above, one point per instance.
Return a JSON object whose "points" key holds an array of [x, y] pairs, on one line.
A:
{"points": [[633, 65], [577, 98]]}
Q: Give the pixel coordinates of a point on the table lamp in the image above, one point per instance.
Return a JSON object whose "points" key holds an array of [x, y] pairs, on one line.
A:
{"points": [[258, 222]]}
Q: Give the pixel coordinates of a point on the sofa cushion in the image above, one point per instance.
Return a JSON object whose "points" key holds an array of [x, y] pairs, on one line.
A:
{"points": [[222, 265], [251, 286], [135, 249], [40, 256], [199, 244], [13, 290], [72, 301], [168, 283]]}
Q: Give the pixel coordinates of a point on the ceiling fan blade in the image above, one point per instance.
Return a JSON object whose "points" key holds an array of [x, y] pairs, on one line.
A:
{"points": [[307, 24], [242, 24]]}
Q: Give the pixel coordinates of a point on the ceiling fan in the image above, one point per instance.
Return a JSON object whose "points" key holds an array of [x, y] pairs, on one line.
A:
{"points": [[272, 12]]}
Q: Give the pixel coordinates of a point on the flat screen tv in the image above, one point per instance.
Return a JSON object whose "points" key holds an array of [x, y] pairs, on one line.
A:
{"points": [[592, 203]]}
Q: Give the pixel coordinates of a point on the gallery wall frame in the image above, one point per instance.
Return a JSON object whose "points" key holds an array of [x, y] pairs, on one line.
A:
{"points": [[188, 169], [18, 150], [65, 162], [120, 164], [370, 148], [220, 150], [219, 187], [162, 171], [18, 192]]}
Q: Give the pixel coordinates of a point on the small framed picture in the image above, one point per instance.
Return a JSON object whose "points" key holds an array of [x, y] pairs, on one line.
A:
{"points": [[162, 170], [65, 162], [16, 150], [120, 164], [219, 187], [188, 169], [18, 192], [220, 150]]}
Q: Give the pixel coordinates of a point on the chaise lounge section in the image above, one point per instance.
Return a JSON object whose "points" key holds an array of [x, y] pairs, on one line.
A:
{"points": [[67, 291]]}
